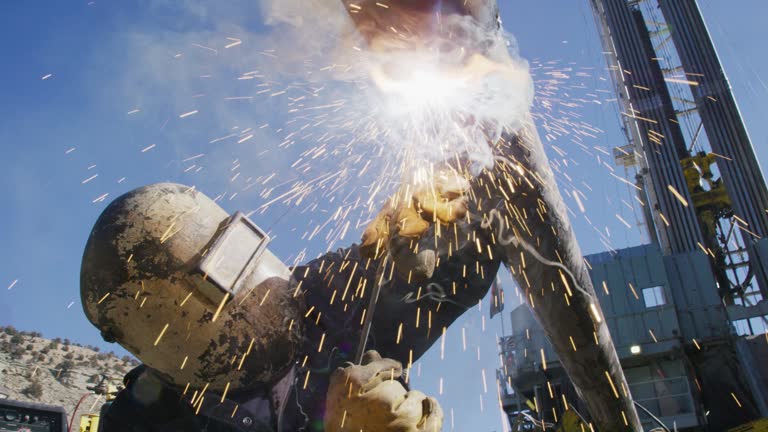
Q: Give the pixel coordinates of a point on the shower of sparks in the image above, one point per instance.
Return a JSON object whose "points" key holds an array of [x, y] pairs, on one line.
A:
{"points": [[347, 145]]}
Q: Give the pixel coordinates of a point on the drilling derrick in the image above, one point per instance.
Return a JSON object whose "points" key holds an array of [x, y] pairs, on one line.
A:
{"points": [[688, 312]]}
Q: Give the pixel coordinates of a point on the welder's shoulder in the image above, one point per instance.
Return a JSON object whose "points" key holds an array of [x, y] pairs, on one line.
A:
{"points": [[146, 405]]}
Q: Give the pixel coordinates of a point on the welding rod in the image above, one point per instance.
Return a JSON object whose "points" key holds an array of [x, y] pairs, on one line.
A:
{"points": [[370, 310]]}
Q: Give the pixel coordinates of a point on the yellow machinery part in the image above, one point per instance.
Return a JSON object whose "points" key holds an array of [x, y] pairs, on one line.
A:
{"points": [[756, 426], [570, 422], [709, 202], [89, 423]]}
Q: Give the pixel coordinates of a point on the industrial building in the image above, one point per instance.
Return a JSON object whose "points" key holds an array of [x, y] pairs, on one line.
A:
{"points": [[687, 311]]}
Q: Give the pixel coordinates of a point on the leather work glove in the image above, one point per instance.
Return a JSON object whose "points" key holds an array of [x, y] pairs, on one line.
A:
{"points": [[370, 398], [408, 215]]}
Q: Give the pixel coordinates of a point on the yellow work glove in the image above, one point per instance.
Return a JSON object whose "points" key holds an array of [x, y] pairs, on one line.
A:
{"points": [[369, 398], [407, 215]]}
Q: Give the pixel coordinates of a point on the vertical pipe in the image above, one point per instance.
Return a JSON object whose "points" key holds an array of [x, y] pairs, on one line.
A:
{"points": [[722, 120], [719, 112], [648, 104]]}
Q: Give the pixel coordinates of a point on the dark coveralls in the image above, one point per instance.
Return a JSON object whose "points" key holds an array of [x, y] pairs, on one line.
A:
{"points": [[337, 288], [542, 255]]}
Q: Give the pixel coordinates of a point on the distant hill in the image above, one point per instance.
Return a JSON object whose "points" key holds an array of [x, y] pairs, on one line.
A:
{"points": [[55, 371]]}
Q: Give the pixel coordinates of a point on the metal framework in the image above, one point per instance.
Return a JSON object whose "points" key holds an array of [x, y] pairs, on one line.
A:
{"points": [[702, 182], [705, 207]]}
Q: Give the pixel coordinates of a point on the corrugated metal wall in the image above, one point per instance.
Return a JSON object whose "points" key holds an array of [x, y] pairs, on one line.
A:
{"points": [[699, 308], [620, 283], [692, 308]]}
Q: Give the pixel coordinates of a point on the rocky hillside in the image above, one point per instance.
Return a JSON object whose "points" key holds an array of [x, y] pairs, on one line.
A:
{"points": [[55, 372]]}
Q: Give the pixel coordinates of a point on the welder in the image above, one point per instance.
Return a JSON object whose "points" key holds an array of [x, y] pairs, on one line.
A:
{"points": [[232, 339]]}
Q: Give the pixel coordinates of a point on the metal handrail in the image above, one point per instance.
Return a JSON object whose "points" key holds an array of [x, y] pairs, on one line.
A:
{"points": [[653, 417]]}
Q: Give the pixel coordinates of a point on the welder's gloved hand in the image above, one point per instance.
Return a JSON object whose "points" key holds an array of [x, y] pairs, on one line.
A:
{"points": [[370, 398], [410, 213]]}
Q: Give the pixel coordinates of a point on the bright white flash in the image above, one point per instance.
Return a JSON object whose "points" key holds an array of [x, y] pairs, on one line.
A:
{"points": [[427, 88], [436, 110]]}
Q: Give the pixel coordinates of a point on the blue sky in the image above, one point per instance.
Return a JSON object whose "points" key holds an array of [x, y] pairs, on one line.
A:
{"points": [[108, 59]]}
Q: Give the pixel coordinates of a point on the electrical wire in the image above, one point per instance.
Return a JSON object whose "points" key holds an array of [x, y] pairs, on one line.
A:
{"points": [[72, 418]]}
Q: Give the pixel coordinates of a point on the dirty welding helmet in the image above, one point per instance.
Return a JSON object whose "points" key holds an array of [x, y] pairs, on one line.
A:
{"points": [[192, 292]]}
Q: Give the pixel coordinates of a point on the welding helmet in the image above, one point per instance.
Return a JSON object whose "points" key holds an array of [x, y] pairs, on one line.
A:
{"points": [[192, 292]]}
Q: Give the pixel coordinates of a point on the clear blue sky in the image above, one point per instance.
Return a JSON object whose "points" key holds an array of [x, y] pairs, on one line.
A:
{"points": [[107, 59]]}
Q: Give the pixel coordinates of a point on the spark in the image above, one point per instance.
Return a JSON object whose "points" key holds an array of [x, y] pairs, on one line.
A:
{"points": [[160, 336], [206, 48], [613, 387], [224, 394], [100, 198], [681, 81], [191, 158], [187, 114], [235, 42], [104, 298], [221, 305], [595, 313], [578, 201], [634, 293], [244, 139], [442, 345], [621, 219], [677, 195]]}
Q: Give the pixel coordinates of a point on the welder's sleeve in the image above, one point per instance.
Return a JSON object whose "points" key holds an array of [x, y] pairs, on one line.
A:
{"points": [[439, 262], [147, 404], [409, 317], [153, 408]]}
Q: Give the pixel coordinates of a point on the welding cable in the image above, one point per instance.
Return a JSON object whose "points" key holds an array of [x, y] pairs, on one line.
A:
{"points": [[653, 417], [518, 242], [72, 419]]}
